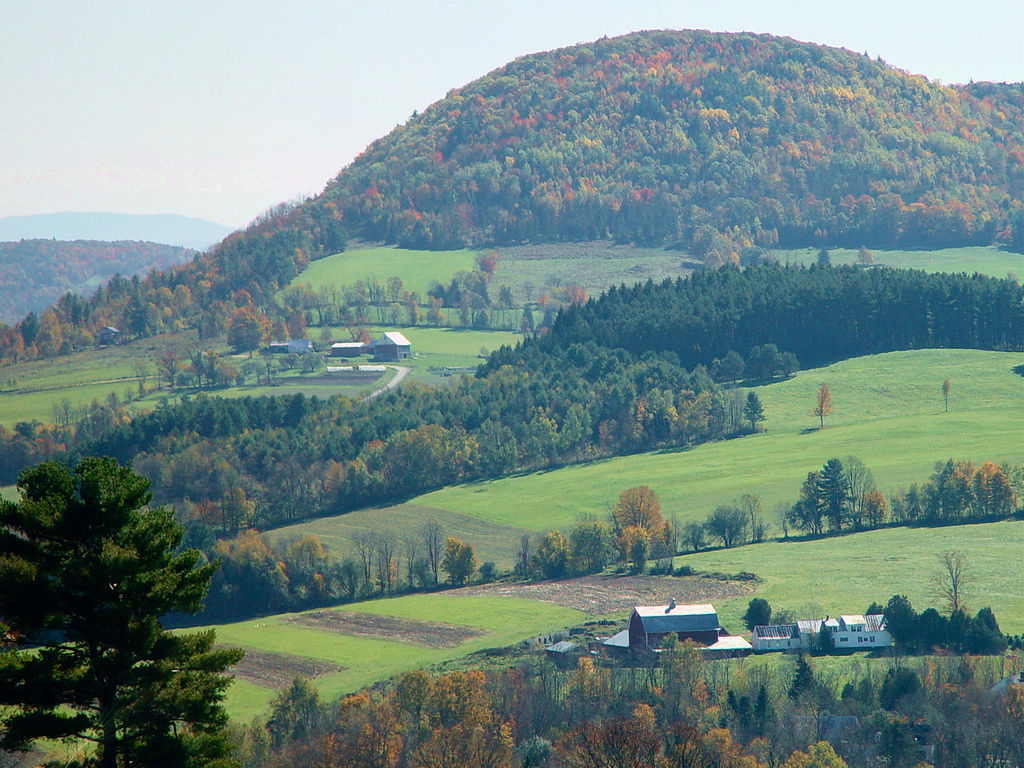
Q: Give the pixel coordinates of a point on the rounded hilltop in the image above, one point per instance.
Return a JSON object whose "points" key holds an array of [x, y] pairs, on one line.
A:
{"points": [[687, 137]]}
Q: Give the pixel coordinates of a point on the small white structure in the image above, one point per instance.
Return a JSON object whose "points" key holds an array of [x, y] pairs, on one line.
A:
{"points": [[291, 347], [727, 647], [849, 632]]}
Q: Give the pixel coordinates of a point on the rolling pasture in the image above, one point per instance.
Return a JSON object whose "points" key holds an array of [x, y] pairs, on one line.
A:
{"points": [[888, 412], [418, 269], [529, 270], [353, 650]]}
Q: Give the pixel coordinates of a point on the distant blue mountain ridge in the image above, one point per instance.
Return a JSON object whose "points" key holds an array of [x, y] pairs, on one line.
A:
{"points": [[166, 228]]}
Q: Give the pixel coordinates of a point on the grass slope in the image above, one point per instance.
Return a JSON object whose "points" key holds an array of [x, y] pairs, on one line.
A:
{"points": [[529, 270], [418, 269], [845, 574], [368, 660], [985, 259], [888, 413]]}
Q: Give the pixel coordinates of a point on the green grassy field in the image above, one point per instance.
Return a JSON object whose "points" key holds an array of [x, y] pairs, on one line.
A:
{"points": [[986, 260], [888, 413], [367, 660], [845, 574], [418, 269], [528, 270]]}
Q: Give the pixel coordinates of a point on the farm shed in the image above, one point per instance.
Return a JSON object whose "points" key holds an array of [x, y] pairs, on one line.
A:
{"points": [[564, 653], [293, 346], [348, 349], [107, 335], [391, 346], [649, 624], [727, 647]]}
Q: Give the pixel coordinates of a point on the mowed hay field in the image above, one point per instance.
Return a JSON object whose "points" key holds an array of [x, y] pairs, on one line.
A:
{"points": [[418, 269], [363, 643], [888, 412], [844, 574], [984, 259], [528, 270]]}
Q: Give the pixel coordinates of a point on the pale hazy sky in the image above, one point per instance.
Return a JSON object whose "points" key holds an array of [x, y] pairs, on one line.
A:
{"points": [[220, 109]]}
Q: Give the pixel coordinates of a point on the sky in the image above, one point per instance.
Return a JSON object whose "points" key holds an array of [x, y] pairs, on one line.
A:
{"points": [[221, 109]]}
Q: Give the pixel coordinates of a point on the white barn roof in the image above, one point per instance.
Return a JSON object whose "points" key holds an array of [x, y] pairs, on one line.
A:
{"points": [[730, 643], [393, 337]]}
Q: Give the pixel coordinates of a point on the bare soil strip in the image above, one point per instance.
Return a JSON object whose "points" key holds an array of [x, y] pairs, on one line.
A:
{"points": [[277, 670], [430, 634], [604, 594]]}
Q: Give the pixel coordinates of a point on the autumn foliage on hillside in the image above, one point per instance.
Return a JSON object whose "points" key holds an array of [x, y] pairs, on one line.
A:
{"points": [[34, 273], [719, 141]]}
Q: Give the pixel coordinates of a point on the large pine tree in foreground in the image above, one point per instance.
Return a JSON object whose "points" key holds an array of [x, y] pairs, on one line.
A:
{"points": [[87, 570]]}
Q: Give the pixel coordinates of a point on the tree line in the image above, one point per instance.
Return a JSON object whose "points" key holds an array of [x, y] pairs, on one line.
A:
{"points": [[684, 712], [819, 314]]}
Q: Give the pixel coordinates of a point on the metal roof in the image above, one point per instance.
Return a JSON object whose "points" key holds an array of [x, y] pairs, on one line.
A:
{"points": [[393, 337], [563, 646], [776, 631], [657, 619], [875, 622], [852, 619], [730, 643], [809, 626], [618, 640]]}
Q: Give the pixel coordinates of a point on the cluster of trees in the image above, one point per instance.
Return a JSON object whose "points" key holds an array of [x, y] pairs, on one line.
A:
{"points": [[842, 495], [959, 632], [958, 491], [819, 314], [722, 143], [257, 576], [684, 713], [731, 524], [637, 532]]}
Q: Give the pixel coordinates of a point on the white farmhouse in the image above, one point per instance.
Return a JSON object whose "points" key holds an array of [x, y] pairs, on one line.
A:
{"points": [[849, 632]]}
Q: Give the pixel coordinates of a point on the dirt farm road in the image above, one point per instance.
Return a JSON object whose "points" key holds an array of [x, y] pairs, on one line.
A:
{"points": [[397, 379]]}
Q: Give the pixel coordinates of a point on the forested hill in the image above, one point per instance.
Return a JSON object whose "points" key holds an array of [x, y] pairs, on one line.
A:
{"points": [[722, 144], [35, 273], [712, 140]]}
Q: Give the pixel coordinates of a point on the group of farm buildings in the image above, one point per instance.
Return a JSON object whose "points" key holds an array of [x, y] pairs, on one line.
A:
{"points": [[649, 625]]}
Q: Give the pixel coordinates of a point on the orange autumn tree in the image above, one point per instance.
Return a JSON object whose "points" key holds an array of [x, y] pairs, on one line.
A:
{"points": [[637, 515]]}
